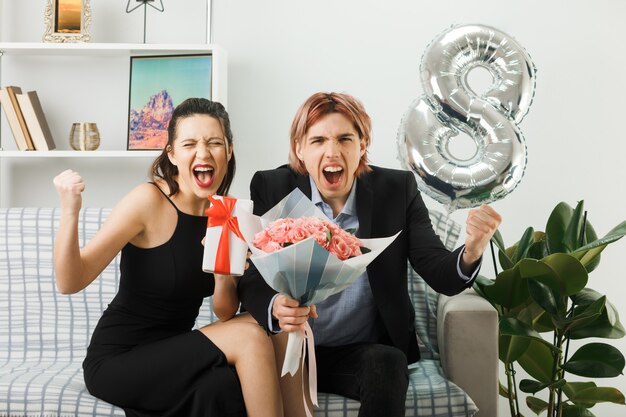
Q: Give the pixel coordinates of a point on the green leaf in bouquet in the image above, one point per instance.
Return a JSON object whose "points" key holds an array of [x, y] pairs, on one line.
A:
{"points": [[596, 360], [350, 230], [537, 405], [365, 250]]}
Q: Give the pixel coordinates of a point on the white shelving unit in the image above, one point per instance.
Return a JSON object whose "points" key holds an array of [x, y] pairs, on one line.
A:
{"points": [[219, 80], [79, 54]]}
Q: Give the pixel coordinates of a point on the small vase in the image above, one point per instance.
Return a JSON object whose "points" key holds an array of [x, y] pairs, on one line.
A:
{"points": [[84, 136]]}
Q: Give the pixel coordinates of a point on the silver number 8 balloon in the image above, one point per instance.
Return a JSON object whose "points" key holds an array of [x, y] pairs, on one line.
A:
{"points": [[450, 106]]}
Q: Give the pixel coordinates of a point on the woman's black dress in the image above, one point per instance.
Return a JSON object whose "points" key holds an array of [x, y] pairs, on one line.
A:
{"points": [[143, 355]]}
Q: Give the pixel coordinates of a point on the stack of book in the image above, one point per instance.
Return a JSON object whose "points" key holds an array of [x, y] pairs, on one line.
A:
{"points": [[26, 119]]}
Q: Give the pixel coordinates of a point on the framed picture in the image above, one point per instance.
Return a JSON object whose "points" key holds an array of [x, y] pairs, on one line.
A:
{"points": [[67, 21], [157, 85]]}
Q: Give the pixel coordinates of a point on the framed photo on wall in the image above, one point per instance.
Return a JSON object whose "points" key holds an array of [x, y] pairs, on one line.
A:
{"points": [[67, 21], [157, 85]]}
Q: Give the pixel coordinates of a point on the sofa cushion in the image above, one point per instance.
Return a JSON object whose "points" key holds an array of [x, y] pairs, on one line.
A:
{"points": [[424, 298]]}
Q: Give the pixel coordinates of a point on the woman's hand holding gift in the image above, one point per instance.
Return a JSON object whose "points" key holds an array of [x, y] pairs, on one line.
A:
{"points": [[290, 315]]}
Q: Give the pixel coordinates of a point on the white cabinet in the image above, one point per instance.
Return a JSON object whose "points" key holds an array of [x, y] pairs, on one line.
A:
{"points": [[82, 82]]}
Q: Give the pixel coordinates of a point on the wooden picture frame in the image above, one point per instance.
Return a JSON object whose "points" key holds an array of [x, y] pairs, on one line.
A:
{"points": [[157, 85], [67, 21]]}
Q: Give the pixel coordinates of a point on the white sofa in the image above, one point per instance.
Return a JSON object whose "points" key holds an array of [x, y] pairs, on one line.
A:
{"points": [[43, 334]]}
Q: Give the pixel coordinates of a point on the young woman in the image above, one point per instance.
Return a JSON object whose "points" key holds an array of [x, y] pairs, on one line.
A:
{"points": [[143, 355]]}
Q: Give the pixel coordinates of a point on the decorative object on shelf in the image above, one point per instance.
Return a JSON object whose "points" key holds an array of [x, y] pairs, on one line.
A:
{"points": [[15, 117], [67, 21], [84, 137], [145, 4], [157, 85], [36, 121]]}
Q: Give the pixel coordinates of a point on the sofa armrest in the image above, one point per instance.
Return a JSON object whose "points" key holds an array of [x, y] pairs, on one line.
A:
{"points": [[467, 332]]}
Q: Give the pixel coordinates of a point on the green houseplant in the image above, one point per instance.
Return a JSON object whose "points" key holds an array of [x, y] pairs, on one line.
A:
{"points": [[542, 289]]}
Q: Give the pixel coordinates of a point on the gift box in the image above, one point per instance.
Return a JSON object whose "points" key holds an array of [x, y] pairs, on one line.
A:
{"points": [[225, 249]]}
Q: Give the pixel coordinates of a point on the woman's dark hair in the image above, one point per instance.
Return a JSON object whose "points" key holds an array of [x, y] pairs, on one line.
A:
{"points": [[163, 168]]}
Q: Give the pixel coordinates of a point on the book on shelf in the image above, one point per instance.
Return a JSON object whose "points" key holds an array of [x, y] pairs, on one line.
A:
{"points": [[36, 121], [15, 118]]}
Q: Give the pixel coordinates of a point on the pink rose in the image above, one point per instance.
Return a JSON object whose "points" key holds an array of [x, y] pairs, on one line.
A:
{"points": [[279, 230], [339, 247], [261, 239], [297, 233], [327, 234], [271, 247]]}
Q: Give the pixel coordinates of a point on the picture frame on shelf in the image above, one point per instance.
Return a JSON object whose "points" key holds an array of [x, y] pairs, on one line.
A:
{"points": [[157, 85], [67, 21]]}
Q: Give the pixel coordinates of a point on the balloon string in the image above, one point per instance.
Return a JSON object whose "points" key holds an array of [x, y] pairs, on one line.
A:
{"points": [[493, 257], [449, 225]]}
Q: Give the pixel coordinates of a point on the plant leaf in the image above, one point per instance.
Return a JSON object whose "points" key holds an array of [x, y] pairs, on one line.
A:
{"points": [[606, 326], [576, 411], [510, 326], [508, 290], [585, 297], [538, 362], [523, 245], [505, 261], [537, 405], [594, 395], [563, 273], [614, 234], [543, 296], [589, 258], [530, 386], [586, 316], [596, 360], [556, 227], [539, 249], [503, 391], [571, 239]]}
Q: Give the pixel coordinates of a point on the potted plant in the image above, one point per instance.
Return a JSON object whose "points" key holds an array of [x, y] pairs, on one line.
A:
{"points": [[542, 289]]}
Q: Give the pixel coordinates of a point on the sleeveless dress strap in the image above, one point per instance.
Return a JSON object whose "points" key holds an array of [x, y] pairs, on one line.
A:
{"points": [[166, 196]]}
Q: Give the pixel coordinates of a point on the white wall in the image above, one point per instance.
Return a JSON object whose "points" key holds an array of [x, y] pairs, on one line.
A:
{"points": [[281, 51]]}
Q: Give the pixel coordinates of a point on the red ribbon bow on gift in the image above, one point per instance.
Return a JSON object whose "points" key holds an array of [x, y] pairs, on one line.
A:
{"points": [[219, 215]]}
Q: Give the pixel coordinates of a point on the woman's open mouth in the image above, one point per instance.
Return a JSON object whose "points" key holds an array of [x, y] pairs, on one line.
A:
{"points": [[203, 176]]}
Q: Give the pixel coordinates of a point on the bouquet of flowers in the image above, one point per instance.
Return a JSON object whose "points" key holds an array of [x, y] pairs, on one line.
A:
{"points": [[284, 232], [301, 253]]}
